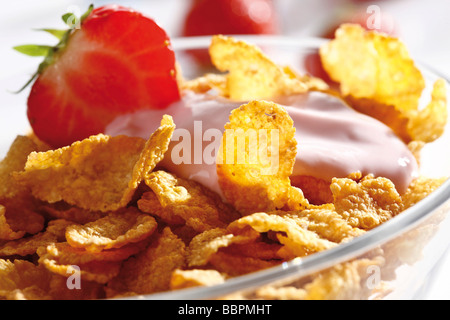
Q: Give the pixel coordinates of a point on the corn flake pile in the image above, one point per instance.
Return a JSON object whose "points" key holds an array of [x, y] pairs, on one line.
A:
{"points": [[101, 219]]}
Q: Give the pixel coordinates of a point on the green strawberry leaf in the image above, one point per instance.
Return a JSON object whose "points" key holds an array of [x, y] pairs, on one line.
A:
{"points": [[34, 50], [58, 33], [50, 52], [87, 13], [71, 20]]}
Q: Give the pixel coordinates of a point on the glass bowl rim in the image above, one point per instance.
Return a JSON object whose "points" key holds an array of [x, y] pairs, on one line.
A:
{"points": [[401, 223]]}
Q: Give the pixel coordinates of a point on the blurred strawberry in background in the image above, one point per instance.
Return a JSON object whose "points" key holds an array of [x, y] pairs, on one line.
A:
{"points": [[370, 18], [230, 17], [207, 17]]}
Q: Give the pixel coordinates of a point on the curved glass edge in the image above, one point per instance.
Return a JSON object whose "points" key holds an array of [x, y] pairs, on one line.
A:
{"points": [[400, 224], [202, 42]]}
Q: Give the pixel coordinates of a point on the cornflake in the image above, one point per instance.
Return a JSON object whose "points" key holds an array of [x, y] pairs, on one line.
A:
{"points": [[377, 76], [98, 173]]}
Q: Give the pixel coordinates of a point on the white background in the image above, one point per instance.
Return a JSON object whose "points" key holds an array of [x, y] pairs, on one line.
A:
{"points": [[423, 25]]}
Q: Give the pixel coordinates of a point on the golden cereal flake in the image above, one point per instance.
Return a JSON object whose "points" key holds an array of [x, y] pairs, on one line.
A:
{"points": [[115, 230], [182, 201], [206, 244], [299, 241], [151, 270], [252, 75], [98, 173], [256, 157], [367, 203], [193, 278], [21, 280]]}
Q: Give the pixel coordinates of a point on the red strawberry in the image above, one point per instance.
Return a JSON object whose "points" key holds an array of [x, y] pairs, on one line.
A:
{"points": [[207, 17], [118, 61]]}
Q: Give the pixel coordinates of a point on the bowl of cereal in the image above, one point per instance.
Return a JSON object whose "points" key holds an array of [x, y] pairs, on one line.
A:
{"points": [[264, 180], [390, 261]]}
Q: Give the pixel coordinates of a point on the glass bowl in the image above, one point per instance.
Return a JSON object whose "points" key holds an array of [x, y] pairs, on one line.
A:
{"points": [[410, 244]]}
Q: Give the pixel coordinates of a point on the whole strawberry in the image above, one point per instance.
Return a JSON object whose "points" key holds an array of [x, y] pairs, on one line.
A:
{"points": [[116, 60]]}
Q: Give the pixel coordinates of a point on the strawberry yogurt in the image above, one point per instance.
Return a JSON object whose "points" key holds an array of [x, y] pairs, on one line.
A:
{"points": [[333, 140]]}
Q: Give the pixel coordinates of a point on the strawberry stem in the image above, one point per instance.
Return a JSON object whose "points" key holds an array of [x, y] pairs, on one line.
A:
{"points": [[49, 51]]}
